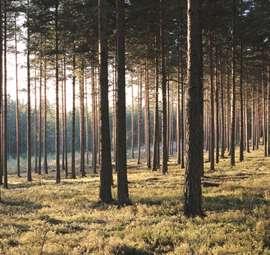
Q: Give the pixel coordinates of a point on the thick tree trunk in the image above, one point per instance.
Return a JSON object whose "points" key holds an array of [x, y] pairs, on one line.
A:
{"points": [[105, 193], [194, 132], [121, 159]]}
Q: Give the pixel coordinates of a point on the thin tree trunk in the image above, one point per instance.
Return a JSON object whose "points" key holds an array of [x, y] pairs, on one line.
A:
{"points": [[212, 107], [73, 162], [45, 161], [164, 92], [29, 123], [132, 120], [233, 96], [94, 121], [1, 92], [18, 138], [139, 131], [156, 159], [5, 145], [223, 128], [217, 105], [40, 116], [147, 119], [57, 124], [82, 123]]}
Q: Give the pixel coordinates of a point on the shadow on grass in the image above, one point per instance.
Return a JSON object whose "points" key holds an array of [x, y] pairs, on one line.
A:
{"points": [[227, 203], [128, 250], [9, 206]]}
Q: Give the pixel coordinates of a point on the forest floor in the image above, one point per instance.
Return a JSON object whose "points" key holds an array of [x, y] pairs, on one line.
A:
{"points": [[45, 218]]}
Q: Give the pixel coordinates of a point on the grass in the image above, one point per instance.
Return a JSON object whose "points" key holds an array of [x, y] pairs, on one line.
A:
{"points": [[45, 218]]}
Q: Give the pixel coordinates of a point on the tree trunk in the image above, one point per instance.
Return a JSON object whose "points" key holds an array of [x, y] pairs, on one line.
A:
{"points": [[139, 131], [57, 124], [73, 160], [5, 145], [132, 120], [223, 123], [45, 162], [105, 193], [40, 116], [82, 123], [1, 92], [147, 119], [217, 105], [18, 137], [156, 159], [241, 103], [212, 106], [94, 121], [121, 159], [164, 92], [194, 132], [29, 123], [233, 96]]}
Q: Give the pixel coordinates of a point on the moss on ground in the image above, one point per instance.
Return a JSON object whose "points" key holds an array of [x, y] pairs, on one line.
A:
{"points": [[45, 218]]}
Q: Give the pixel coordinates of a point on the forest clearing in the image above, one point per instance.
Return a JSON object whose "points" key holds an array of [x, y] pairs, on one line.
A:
{"points": [[44, 218]]}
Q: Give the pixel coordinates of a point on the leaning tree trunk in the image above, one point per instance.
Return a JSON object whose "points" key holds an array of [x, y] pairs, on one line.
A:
{"points": [[194, 121]]}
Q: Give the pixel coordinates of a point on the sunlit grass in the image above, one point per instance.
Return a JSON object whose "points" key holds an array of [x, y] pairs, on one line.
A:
{"points": [[45, 218]]}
